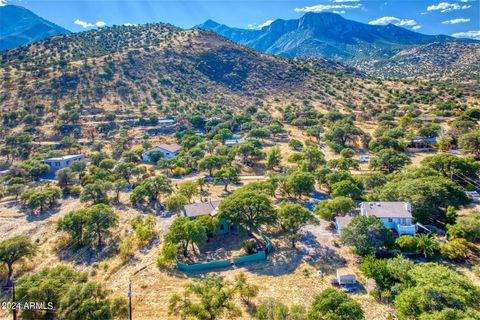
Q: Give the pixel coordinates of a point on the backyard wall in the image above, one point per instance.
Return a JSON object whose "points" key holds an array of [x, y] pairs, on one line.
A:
{"points": [[259, 256]]}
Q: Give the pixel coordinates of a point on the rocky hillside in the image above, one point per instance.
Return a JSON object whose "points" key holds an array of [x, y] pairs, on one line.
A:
{"points": [[20, 26], [131, 67], [371, 48], [437, 60], [154, 63]]}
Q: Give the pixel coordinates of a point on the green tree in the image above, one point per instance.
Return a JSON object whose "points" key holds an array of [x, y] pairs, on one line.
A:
{"points": [[332, 304], [211, 163], [274, 157], [326, 209], [100, 219], [272, 309], [293, 217], [65, 177], [13, 250], [206, 299], [89, 301], [388, 160], [449, 164], [467, 227], [175, 203], [96, 192], [366, 234], [188, 189], [429, 196], [247, 209], [41, 198], [226, 176], [470, 143], [427, 245], [433, 289], [346, 188], [377, 269], [246, 291], [300, 183]]}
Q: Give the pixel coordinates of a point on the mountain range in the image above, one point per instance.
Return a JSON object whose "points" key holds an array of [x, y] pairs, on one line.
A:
{"points": [[325, 39], [20, 26], [329, 35]]}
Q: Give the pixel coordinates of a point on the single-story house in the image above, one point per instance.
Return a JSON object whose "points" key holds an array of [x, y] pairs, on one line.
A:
{"points": [[57, 163], [397, 216], [199, 209], [422, 143], [232, 142], [364, 158], [169, 151], [166, 121]]}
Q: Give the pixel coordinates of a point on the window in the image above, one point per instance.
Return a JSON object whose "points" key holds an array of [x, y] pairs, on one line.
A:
{"points": [[222, 227], [390, 220], [57, 164]]}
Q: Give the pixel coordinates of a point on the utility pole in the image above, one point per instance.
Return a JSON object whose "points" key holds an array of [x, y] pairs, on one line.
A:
{"points": [[13, 300], [130, 300]]}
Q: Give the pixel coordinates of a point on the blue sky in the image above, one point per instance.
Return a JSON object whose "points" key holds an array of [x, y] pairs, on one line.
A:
{"points": [[460, 17]]}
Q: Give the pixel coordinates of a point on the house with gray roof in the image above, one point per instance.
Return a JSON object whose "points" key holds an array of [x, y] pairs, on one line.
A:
{"points": [[168, 150], [195, 210], [57, 163], [397, 216]]}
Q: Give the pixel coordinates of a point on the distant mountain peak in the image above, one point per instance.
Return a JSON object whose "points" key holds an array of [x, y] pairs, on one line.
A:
{"points": [[21, 26], [209, 24]]}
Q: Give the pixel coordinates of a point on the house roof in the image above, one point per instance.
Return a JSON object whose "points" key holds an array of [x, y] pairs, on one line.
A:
{"points": [[387, 209], [201, 208], [169, 147], [342, 222], [72, 156]]}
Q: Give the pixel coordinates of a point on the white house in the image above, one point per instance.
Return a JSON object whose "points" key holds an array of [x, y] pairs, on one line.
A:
{"points": [[169, 151], [396, 216], [364, 158], [166, 121], [232, 142], [56, 163]]}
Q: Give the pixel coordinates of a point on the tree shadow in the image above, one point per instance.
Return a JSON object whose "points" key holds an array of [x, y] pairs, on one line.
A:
{"points": [[35, 217], [86, 255]]}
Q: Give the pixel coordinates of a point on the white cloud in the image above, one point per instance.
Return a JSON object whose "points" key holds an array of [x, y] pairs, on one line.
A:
{"points": [[128, 24], [474, 34], [251, 26], [3, 3], [339, 12], [393, 20], [265, 24], [326, 7], [340, 1], [85, 24], [455, 21], [447, 7], [416, 27]]}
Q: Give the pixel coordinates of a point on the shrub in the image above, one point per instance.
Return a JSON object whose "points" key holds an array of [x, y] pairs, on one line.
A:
{"points": [[250, 246], [456, 249], [476, 270], [407, 244]]}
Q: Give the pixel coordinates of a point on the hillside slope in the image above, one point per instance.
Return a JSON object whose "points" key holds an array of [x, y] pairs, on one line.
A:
{"points": [[130, 67], [330, 36], [20, 26], [438, 60]]}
